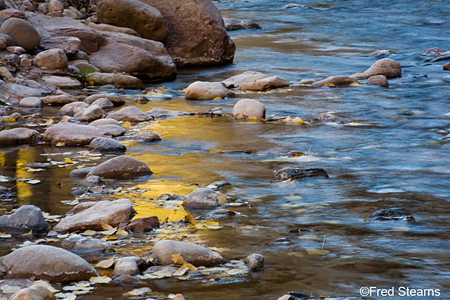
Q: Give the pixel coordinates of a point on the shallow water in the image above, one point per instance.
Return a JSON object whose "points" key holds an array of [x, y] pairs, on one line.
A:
{"points": [[393, 156]]}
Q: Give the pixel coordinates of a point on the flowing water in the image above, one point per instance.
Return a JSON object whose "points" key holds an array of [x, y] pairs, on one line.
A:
{"points": [[312, 231]]}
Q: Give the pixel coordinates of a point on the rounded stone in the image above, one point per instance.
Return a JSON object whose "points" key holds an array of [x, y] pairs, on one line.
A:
{"points": [[202, 90], [30, 102], [52, 59], [379, 80], [204, 198], [107, 145], [78, 243], [249, 108], [121, 167], [23, 33], [26, 218]]}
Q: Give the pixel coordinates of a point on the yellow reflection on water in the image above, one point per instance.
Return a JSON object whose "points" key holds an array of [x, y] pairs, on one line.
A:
{"points": [[24, 190], [2, 159]]}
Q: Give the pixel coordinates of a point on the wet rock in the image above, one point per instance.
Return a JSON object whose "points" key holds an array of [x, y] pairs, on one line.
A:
{"points": [[18, 136], [89, 114], [5, 73], [336, 81], [16, 91], [249, 108], [127, 280], [143, 18], [255, 262], [135, 56], [2, 124], [51, 59], [294, 296], [3, 43], [71, 109], [390, 214], [204, 198], [386, 66], [104, 103], [113, 130], [126, 266], [30, 102], [379, 80], [117, 79], [48, 263], [115, 99], [81, 172], [17, 50], [9, 39], [78, 243], [27, 218], [73, 134], [141, 224], [264, 84], [289, 173], [154, 269], [131, 114], [23, 33], [60, 99], [107, 145], [329, 117], [121, 167], [245, 78], [92, 181], [84, 67], [112, 28], [236, 24], [146, 136], [81, 207], [446, 67], [63, 82], [164, 113], [68, 44], [34, 292], [190, 42], [433, 52], [110, 212], [105, 121], [202, 90], [195, 254]]}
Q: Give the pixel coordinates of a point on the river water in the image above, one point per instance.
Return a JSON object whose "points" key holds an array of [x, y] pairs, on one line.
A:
{"points": [[312, 231]]}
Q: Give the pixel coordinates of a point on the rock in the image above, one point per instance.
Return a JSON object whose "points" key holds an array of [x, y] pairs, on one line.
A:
{"points": [[110, 212], [379, 80], [49, 263], [204, 198], [55, 6], [164, 113], [2, 124], [289, 173], [73, 134], [78, 243], [255, 262], [141, 224], [117, 79], [202, 90], [115, 99], [297, 296], [112, 28], [107, 145], [143, 18], [264, 84], [190, 41], [121, 167], [5, 73], [89, 114], [134, 56], [71, 109], [30, 102], [131, 114], [84, 67], [336, 81], [328, 117], [16, 50], [60, 99], [51, 59], [68, 44], [113, 130], [9, 39], [446, 67], [81, 207], [18, 136], [34, 292], [434, 52], [386, 66], [146, 136], [104, 103], [236, 24], [307, 81], [63, 82], [27, 218], [92, 181], [23, 33], [390, 214], [127, 280], [154, 269], [195, 254], [126, 266], [18, 90], [245, 78], [3, 43], [12, 13], [249, 108], [81, 172]]}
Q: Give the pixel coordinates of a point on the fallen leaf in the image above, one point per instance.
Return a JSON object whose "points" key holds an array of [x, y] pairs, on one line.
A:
{"points": [[65, 119], [138, 292], [69, 161], [105, 263], [180, 272], [10, 289], [317, 251], [60, 144], [33, 181], [6, 96], [49, 122], [308, 237], [162, 273], [177, 259], [190, 218], [34, 170], [218, 98], [296, 254], [297, 120], [100, 279], [64, 296], [89, 232], [105, 273], [121, 232], [59, 182], [74, 202], [126, 124]]}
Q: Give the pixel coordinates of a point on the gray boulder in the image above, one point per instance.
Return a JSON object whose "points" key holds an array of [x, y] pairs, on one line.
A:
{"points": [[78, 243], [27, 218], [24, 34], [121, 167], [109, 212], [104, 103], [46, 263], [131, 114], [34, 292], [89, 114], [73, 134], [379, 80], [245, 78], [195, 254], [386, 66], [202, 90], [30, 102], [249, 108], [18, 136], [107, 145], [204, 198]]}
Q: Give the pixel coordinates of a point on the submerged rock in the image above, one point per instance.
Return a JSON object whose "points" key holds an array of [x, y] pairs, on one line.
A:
{"points": [[379, 80], [255, 262], [78, 243], [110, 212], [386, 66], [289, 173], [204, 198], [121, 167], [47, 263], [264, 84], [107, 145], [329, 117], [195, 254], [245, 78], [131, 114], [389, 214], [118, 80], [336, 81], [18, 136], [232, 24], [73, 134], [249, 108], [202, 90], [27, 218]]}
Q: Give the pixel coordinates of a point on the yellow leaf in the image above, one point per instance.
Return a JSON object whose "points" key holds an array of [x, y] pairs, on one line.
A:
{"points": [[6, 96], [297, 120], [163, 89], [105, 263], [121, 232], [190, 218], [177, 259], [126, 124], [102, 279], [355, 84], [91, 82], [138, 292], [12, 120], [218, 98], [61, 144], [296, 254], [330, 84], [59, 182], [317, 251], [180, 272], [49, 122], [212, 225], [74, 202], [69, 161], [106, 226], [189, 266], [252, 119], [20, 119], [65, 119], [89, 232]]}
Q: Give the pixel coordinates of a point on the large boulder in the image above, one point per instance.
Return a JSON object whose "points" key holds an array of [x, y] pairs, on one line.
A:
{"points": [[135, 56], [109, 212], [47, 263], [143, 18], [191, 253], [197, 34], [249, 108], [17, 136], [26, 218], [121, 167], [23, 33], [386, 66], [73, 134], [203, 90], [204, 198]]}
